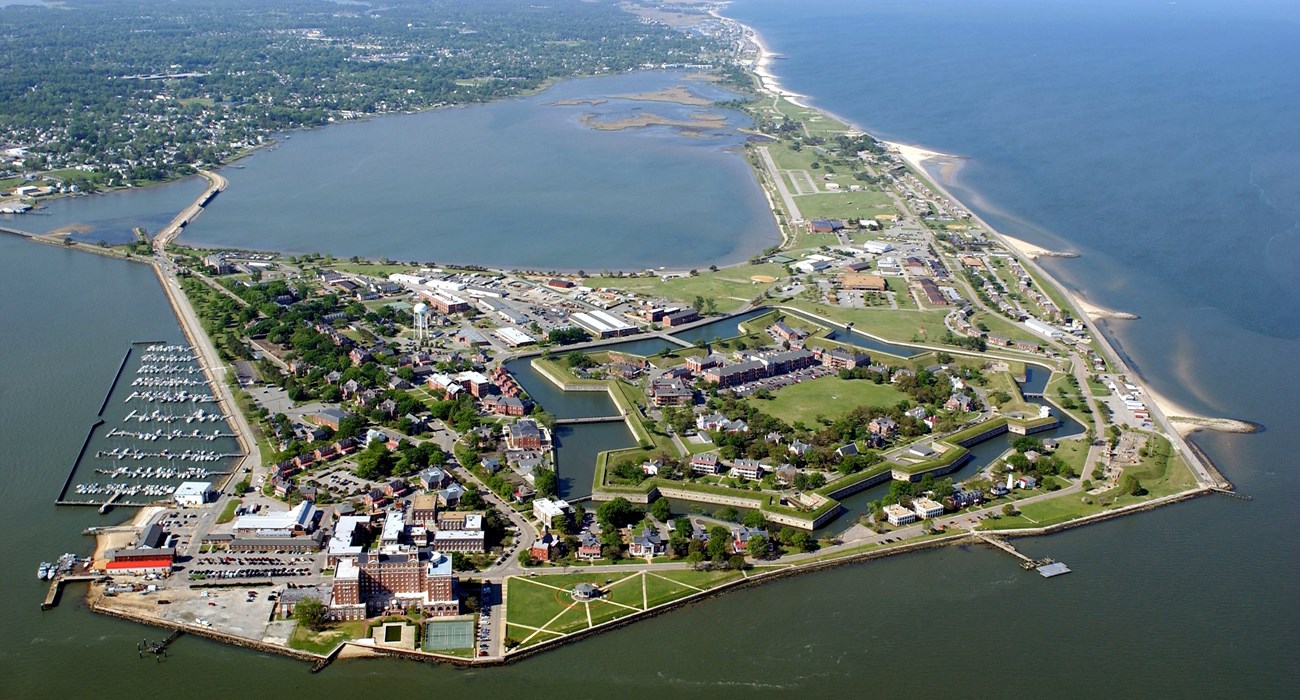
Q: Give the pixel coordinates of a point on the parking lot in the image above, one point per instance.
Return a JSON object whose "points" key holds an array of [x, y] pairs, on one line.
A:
{"points": [[772, 383], [252, 566]]}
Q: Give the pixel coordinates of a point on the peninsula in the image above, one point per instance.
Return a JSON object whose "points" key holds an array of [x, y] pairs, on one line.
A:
{"points": [[402, 489]]}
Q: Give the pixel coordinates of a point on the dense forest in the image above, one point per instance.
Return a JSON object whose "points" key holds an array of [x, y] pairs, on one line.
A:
{"points": [[145, 89]]}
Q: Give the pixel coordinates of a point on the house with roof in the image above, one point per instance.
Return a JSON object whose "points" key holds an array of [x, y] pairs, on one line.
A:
{"points": [[646, 544], [706, 463], [748, 469], [786, 475], [588, 546], [883, 426], [740, 538], [547, 547]]}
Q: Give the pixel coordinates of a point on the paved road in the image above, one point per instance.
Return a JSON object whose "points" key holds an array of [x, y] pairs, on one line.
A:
{"points": [[790, 206]]}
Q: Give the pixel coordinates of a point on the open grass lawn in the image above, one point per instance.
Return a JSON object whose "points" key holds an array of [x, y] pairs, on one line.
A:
{"points": [[831, 397], [660, 591], [533, 601], [571, 621], [626, 592], [602, 611], [729, 287], [532, 605], [702, 580], [323, 642], [1073, 453], [862, 204], [528, 638], [1173, 477], [901, 324]]}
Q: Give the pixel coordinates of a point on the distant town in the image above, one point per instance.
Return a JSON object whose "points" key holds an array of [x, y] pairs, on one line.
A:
{"points": [[402, 486]]}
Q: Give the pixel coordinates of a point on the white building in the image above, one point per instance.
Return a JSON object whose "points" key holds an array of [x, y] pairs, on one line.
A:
{"points": [[898, 515], [545, 510], [300, 520], [192, 494], [926, 508], [877, 247], [513, 336], [1042, 328]]}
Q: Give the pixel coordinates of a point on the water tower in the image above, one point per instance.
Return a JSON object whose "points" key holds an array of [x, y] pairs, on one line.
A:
{"points": [[421, 312]]}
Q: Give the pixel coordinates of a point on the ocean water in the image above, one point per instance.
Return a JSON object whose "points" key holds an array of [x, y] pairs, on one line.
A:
{"points": [[1157, 140]]}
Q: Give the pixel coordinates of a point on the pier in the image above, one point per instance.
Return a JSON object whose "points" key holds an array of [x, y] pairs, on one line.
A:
{"points": [[1234, 494], [1045, 566], [56, 587]]}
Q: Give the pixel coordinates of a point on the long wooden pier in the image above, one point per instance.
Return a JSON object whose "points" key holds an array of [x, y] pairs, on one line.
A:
{"points": [[1045, 566]]}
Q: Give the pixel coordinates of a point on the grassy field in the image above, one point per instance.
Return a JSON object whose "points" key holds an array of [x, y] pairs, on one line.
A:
{"points": [[538, 608], [323, 642], [844, 205], [730, 288], [831, 397], [902, 325]]}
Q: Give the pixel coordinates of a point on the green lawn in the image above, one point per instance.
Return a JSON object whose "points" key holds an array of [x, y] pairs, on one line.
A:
{"points": [[602, 611], [571, 621], [1073, 453], [900, 325], [831, 397], [729, 287], [533, 601], [659, 590], [323, 642], [1098, 389], [627, 592], [700, 579], [228, 513], [844, 205]]}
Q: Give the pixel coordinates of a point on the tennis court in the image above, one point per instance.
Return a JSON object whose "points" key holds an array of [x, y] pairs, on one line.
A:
{"points": [[445, 635]]}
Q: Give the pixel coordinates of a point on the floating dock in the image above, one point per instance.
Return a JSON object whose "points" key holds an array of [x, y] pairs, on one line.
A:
{"points": [[1053, 569]]}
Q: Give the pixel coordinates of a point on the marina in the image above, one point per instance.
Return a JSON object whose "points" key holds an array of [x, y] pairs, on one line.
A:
{"points": [[132, 455]]}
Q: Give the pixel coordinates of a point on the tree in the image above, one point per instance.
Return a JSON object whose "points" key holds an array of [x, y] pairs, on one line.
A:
{"points": [[526, 557], [546, 482], [757, 546], [312, 613], [719, 543], [803, 541], [755, 520], [696, 557], [1129, 484], [617, 513], [661, 510]]}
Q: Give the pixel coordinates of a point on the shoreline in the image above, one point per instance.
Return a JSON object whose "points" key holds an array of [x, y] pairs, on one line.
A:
{"points": [[916, 157], [847, 556]]}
